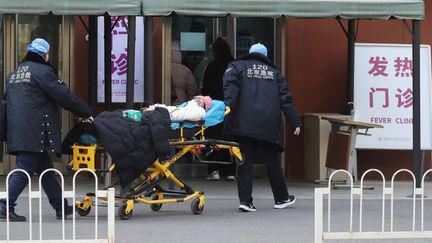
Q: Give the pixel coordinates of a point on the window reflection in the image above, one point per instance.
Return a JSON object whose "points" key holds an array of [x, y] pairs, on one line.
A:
{"points": [[47, 27], [254, 30], [193, 35]]}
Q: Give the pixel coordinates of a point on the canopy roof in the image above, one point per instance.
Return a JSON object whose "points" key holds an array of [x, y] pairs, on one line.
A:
{"points": [[71, 7], [346, 9]]}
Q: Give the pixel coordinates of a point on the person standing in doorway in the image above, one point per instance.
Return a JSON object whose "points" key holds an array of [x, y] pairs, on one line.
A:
{"points": [[256, 92], [183, 85], [33, 94], [213, 87]]}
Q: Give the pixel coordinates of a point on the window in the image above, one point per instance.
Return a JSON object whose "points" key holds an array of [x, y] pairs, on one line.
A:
{"points": [[254, 30], [47, 27], [191, 40]]}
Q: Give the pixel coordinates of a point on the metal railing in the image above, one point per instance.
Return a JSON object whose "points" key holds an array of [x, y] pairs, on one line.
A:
{"points": [[321, 235], [109, 194]]}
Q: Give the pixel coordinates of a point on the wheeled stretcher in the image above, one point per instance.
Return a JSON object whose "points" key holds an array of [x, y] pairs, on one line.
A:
{"points": [[190, 138]]}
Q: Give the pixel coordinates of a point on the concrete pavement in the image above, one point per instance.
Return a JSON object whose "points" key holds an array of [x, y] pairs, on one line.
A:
{"points": [[222, 222]]}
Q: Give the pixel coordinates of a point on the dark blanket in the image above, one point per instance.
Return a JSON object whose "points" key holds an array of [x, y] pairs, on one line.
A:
{"points": [[134, 146], [74, 135]]}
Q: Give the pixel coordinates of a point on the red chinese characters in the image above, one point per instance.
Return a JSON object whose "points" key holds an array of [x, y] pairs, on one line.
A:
{"points": [[119, 63], [382, 95], [379, 66]]}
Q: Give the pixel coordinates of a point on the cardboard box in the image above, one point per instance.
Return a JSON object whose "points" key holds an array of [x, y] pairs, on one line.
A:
{"points": [[316, 132]]}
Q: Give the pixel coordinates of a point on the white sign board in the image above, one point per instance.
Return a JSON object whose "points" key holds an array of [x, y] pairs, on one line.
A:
{"points": [[119, 60], [383, 95]]}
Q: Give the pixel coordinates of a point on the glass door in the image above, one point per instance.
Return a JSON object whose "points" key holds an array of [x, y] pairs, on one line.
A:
{"points": [[251, 30], [190, 54], [187, 43], [48, 27]]}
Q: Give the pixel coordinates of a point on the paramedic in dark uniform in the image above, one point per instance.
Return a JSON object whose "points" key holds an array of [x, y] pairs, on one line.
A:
{"points": [[33, 94], [257, 92]]}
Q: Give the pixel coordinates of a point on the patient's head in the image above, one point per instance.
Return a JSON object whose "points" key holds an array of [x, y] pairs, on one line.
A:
{"points": [[203, 101]]}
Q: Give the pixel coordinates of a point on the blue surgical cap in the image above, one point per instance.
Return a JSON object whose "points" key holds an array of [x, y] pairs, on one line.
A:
{"points": [[260, 48], [39, 46]]}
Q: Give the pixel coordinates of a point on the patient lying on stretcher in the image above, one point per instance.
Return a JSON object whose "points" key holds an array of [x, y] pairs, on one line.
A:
{"points": [[192, 110]]}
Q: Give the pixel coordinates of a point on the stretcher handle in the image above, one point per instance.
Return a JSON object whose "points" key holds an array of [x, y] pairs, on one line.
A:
{"points": [[227, 110]]}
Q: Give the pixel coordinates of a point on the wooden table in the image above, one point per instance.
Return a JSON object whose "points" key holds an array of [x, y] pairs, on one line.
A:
{"points": [[341, 153]]}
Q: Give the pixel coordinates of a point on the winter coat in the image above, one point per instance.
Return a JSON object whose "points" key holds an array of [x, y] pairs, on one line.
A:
{"points": [[256, 92], [34, 93], [3, 119], [212, 81], [183, 83], [134, 146]]}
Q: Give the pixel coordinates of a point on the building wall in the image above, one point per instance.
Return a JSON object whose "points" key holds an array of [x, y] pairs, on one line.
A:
{"points": [[317, 75]]}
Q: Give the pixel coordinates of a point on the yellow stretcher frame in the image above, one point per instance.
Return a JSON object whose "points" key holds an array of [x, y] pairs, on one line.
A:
{"points": [[148, 185]]}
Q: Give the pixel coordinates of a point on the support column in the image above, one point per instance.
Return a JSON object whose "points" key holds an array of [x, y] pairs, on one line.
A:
{"points": [[417, 153], [130, 62], [148, 59], [107, 62], [92, 61], [351, 54]]}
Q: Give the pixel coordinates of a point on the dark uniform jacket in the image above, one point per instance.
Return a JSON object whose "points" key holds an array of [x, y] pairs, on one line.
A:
{"points": [[33, 93], [134, 146], [257, 92]]}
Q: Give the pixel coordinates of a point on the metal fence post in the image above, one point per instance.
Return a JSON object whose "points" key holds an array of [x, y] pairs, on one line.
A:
{"points": [[318, 215]]}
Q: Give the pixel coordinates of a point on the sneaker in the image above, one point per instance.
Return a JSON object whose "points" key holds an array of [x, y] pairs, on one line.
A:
{"points": [[230, 178], [280, 205], [247, 207], [68, 211], [13, 217], [214, 176]]}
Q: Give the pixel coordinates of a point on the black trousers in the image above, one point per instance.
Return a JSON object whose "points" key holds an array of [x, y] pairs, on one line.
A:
{"points": [[34, 162], [260, 151]]}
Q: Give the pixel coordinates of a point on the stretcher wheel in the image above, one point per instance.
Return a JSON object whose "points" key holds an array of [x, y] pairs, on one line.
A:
{"points": [[122, 212], [195, 207], [83, 212], [155, 207]]}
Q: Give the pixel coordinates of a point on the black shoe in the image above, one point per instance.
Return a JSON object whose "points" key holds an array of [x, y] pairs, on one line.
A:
{"points": [[247, 207], [13, 217], [68, 211], [280, 205]]}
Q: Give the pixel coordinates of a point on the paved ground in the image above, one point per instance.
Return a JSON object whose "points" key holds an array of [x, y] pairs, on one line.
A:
{"points": [[222, 222]]}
